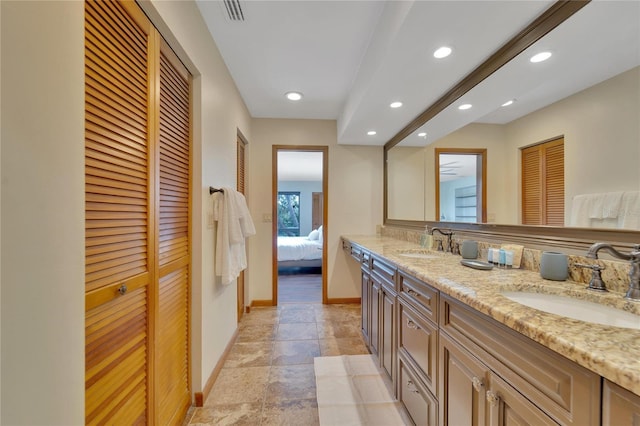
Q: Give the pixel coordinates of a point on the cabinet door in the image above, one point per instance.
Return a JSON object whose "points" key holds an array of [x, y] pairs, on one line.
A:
{"points": [[388, 312], [418, 340], [374, 314], [507, 407], [462, 387], [619, 406], [365, 302]]}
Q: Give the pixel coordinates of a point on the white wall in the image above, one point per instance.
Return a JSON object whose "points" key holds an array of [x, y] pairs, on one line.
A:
{"points": [[354, 198], [218, 112], [406, 170], [601, 138], [306, 189], [42, 311], [491, 137]]}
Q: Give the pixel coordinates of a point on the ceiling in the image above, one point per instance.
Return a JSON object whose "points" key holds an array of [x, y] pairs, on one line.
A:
{"points": [[300, 166], [351, 59]]}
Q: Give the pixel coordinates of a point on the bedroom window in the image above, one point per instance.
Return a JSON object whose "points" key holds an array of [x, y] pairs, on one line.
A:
{"points": [[288, 214]]}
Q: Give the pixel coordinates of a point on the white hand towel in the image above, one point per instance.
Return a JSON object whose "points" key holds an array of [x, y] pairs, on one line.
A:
{"points": [[611, 204], [629, 217], [580, 211]]}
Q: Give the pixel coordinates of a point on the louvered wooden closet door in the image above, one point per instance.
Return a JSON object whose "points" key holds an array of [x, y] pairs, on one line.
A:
{"points": [[119, 221], [543, 184], [173, 388]]}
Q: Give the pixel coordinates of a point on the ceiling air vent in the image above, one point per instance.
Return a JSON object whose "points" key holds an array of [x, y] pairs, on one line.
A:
{"points": [[234, 10]]}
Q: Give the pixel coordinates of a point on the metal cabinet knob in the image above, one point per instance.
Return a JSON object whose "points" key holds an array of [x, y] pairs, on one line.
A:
{"points": [[413, 293], [122, 289], [410, 385], [412, 325], [477, 384], [492, 398]]}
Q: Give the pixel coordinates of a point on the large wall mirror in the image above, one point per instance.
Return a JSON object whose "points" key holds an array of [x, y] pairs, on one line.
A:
{"points": [[588, 92]]}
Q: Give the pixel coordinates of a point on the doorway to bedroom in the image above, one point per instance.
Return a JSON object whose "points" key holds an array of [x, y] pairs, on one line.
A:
{"points": [[299, 224]]}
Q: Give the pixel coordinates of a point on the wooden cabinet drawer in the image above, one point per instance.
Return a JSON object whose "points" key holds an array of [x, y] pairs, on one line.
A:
{"points": [[420, 404], [418, 338], [385, 271], [420, 296], [567, 392]]}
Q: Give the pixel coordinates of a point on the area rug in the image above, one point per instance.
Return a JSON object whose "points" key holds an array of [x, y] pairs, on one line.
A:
{"points": [[353, 390]]}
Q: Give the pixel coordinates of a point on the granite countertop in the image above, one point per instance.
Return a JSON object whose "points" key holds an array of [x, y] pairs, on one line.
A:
{"points": [[612, 352]]}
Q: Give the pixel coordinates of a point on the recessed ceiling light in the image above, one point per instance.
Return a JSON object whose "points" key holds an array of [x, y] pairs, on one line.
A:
{"points": [[542, 56], [464, 106], [422, 134], [395, 104], [442, 52], [371, 132], [293, 96], [508, 103]]}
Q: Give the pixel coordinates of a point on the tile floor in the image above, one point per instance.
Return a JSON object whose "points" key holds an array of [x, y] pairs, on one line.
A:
{"points": [[268, 377]]}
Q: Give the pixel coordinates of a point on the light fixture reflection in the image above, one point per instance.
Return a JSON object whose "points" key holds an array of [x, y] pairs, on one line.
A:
{"points": [[442, 52], [293, 96], [542, 56], [464, 106]]}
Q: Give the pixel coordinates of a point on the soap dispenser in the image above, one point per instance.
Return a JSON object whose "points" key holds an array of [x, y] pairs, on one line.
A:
{"points": [[426, 240]]}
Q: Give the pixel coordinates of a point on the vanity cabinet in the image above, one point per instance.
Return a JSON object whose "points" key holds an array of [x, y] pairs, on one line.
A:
{"points": [[472, 394], [418, 328], [516, 376], [365, 299], [383, 307], [453, 365], [374, 314], [388, 347], [421, 405], [619, 406]]}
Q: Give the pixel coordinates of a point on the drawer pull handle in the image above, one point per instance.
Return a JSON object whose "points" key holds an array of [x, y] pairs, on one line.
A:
{"points": [[492, 398], [413, 293], [412, 325], [122, 289], [410, 385], [477, 384]]}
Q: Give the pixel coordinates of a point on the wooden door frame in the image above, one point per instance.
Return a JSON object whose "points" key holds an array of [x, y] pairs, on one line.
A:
{"points": [[274, 213], [241, 140], [463, 151]]}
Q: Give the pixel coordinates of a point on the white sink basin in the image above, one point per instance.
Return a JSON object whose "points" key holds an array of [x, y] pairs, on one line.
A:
{"points": [[582, 310], [418, 255]]}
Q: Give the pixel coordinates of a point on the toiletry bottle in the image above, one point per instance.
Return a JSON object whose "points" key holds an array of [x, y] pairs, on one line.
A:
{"points": [[425, 238]]}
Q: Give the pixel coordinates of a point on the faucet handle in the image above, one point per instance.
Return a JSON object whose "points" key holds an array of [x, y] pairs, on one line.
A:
{"points": [[455, 247], [592, 267], [596, 282]]}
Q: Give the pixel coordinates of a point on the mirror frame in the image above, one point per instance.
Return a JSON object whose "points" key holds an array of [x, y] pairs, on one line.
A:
{"points": [[576, 240]]}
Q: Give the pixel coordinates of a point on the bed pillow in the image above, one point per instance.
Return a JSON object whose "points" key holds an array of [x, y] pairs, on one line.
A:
{"points": [[313, 235], [320, 236]]}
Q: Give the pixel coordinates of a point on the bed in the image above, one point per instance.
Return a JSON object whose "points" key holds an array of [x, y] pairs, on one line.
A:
{"points": [[299, 252]]}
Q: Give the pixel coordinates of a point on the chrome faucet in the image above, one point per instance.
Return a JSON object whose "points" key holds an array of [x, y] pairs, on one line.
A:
{"points": [[447, 233], [633, 257]]}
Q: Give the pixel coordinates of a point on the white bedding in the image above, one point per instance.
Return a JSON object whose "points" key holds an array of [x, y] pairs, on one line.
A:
{"points": [[298, 248]]}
